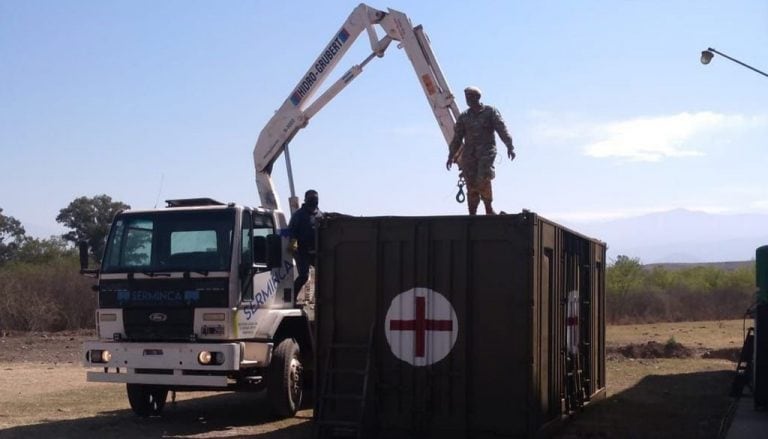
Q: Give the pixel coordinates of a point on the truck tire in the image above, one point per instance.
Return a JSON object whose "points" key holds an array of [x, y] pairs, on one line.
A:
{"points": [[285, 379], [146, 400]]}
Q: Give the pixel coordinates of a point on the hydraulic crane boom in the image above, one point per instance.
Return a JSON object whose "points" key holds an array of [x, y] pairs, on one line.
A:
{"points": [[298, 108]]}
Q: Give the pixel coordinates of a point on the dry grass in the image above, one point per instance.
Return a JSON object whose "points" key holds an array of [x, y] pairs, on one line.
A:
{"points": [[695, 335]]}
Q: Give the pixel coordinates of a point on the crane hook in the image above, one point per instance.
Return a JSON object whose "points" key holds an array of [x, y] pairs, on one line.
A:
{"points": [[460, 197]]}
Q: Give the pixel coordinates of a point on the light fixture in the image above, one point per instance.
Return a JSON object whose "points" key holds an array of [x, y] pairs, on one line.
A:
{"points": [[706, 57], [204, 357]]}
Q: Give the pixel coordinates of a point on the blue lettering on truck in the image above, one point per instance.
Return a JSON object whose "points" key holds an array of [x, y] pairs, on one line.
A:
{"points": [[319, 67], [188, 297], [269, 290]]}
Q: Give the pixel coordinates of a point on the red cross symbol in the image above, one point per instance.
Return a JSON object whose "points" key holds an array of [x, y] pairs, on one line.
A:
{"points": [[420, 325]]}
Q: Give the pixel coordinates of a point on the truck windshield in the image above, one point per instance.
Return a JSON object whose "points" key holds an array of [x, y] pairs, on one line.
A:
{"points": [[170, 241]]}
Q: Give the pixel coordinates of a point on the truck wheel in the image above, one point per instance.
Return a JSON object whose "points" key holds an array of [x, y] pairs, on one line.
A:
{"points": [[146, 400], [285, 379]]}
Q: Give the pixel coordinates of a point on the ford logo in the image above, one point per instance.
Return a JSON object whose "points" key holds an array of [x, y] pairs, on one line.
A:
{"points": [[158, 317]]}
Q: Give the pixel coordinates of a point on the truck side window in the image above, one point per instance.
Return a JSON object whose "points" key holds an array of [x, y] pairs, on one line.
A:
{"points": [[246, 255], [137, 245], [116, 244], [262, 226]]}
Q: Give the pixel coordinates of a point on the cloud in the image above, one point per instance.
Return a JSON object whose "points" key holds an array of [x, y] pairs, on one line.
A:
{"points": [[653, 139], [646, 139]]}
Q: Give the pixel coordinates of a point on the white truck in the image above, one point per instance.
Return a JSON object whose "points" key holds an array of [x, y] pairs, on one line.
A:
{"points": [[198, 295]]}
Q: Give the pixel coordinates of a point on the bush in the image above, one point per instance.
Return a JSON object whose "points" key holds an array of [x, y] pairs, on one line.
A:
{"points": [[638, 295], [46, 296]]}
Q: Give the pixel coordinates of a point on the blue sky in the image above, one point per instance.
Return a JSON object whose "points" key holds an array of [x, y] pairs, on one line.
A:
{"points": [[611, 112]]}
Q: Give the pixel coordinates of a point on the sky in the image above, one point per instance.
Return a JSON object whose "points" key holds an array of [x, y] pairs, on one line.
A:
{"points": [[611, 112]]}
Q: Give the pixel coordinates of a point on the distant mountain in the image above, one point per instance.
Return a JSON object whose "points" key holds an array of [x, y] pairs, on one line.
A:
{"points": [[681, 236]]}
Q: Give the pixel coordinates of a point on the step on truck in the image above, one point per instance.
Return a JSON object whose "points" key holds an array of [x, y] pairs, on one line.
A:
{"points": [[199, 295]]}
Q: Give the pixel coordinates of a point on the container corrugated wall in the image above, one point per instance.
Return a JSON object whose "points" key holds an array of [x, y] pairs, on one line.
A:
{"points": [[473, 334]]}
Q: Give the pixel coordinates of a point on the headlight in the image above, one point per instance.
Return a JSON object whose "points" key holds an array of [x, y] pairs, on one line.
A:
{"points": [[99, 356], [204, 357], [210, 358]]}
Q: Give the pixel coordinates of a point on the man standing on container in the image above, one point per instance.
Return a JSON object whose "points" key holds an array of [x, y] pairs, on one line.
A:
{"points": [[302, 233], [476, 127]]}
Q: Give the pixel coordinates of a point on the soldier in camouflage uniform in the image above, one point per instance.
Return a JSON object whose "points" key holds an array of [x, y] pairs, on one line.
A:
{"points": [[476, 127]]}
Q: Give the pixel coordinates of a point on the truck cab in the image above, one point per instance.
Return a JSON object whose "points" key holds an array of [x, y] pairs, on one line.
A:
{"points": [[198, 296]]}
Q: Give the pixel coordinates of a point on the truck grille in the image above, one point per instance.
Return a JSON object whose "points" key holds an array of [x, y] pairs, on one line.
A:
{"points": [[159, 323]]}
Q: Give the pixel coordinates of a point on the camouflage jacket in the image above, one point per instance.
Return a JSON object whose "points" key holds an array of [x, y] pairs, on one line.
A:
{"points": [[476, 129]]}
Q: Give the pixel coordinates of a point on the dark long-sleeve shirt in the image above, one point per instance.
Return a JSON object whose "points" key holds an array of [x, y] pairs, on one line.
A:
{"points": [[302, 228]]}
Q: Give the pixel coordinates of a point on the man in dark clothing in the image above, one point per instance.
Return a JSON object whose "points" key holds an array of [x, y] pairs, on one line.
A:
{"points": [[475, 127], [302, 234]]}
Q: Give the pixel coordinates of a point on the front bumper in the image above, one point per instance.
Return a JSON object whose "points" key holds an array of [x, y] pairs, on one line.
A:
{"points": [[172, 364]]}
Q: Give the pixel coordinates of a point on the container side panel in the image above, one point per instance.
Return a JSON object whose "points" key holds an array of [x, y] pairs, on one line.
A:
{"points": [[551, 239], [397, 383], [545, 338], [500, 338], [598, 323], [345, 310]]}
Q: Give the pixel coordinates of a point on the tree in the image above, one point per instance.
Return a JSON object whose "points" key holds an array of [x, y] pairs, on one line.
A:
{"points": [[89, 219], [12, 234], [624, 276], [37, 251]]}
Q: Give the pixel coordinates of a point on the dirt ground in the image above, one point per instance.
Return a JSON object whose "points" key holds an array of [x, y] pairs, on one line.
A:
{"points": [[44, 393]]}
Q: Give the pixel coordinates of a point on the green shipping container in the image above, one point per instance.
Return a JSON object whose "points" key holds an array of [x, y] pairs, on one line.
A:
{"points": [[481, 327]]}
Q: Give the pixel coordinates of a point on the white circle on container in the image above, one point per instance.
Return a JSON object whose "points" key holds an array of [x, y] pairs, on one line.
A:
{"points": [[421, 326]]}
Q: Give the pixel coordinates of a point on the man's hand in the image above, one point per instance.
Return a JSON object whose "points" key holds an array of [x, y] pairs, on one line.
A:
{"points": [[511, 154], [449, 163], [293, 246]]}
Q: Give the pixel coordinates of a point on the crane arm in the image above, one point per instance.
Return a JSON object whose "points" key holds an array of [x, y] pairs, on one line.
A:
{"points": [[298, 108]]}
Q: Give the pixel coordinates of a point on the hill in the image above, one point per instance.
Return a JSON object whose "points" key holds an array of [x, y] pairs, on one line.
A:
{"points": [[681, 236]]}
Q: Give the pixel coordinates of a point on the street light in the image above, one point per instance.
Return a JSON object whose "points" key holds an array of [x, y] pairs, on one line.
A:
{"points": [[706, 57]]}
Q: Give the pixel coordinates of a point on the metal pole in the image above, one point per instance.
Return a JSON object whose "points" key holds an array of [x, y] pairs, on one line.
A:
{"points": [[738, 62], [293, 202]]}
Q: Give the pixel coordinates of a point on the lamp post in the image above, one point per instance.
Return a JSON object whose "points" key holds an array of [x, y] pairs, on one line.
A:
{"points": [[706, 57]]}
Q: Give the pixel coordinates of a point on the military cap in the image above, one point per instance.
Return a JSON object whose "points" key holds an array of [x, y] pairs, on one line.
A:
{"points": [[473, 90]]}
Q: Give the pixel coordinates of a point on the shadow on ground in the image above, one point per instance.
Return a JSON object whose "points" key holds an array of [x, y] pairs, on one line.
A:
{"points": [[230, 415], [691, 405], [679, 406]]}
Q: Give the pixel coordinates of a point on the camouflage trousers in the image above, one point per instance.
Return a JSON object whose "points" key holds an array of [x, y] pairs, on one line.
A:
{"points": [[478, 171], [479, 190]]}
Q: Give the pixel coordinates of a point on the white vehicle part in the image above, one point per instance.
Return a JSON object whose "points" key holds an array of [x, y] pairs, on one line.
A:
{"points": [[296, 111], [218, 324], [262, 323], [179, 361], [108, 327]]}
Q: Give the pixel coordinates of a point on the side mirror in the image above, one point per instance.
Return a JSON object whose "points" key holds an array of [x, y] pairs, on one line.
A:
{"points": [[274, 251], [83, 247]]}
